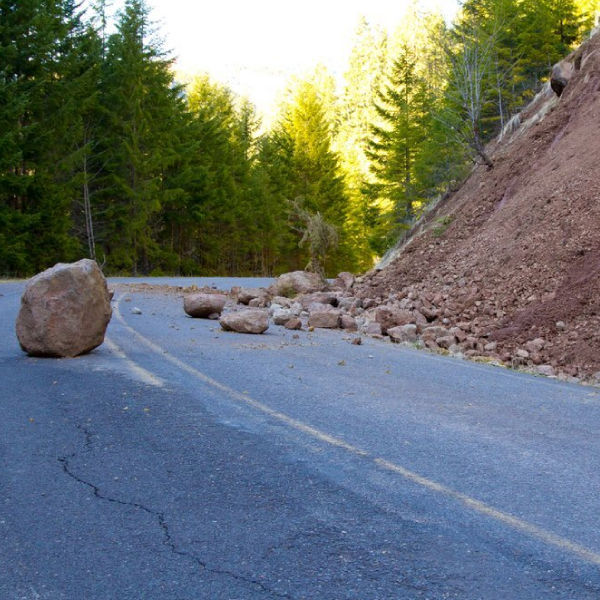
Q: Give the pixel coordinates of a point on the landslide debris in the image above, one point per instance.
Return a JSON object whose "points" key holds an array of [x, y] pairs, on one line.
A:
{"points": [[512, 259]]}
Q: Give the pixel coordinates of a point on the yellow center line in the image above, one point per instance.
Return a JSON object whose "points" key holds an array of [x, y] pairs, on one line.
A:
{"points": [[143, 374], [473, 504]]}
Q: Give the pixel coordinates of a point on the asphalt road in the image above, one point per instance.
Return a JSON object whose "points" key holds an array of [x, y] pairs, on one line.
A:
{"points": [[179, 462]]}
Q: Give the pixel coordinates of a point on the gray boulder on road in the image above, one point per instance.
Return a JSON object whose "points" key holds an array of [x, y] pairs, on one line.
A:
{"points": [[64, 311], [292, 284], [324, 316], [204, 305], [246, 321], [246, 295]]}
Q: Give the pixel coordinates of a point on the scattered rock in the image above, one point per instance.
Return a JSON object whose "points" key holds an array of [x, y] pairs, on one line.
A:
{"points": [[368, 303], [201, 306], [372, 328], [281, 301], [307, 300], [324, 317], [344, 281], [293, 324], [64, 311], [430, 314], [430, 343], [246, 295], [246, 321], [546, 370], [446, 341], [260, 302], [459, 334], [290, 285], [349, 303], [389, 317], [403, 334], [562, 72], [348, 323], [535, 346], [434, 332], [519, 263], [281, 316]]}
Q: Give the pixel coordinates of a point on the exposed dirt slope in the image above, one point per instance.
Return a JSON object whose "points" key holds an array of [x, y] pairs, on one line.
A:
{"points": [[520, 259]]}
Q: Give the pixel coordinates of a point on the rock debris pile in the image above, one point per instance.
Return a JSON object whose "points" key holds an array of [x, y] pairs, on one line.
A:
{"points": [[509, 265], [505, 269]]}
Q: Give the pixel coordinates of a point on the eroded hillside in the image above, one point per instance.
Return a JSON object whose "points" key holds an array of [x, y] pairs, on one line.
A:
{"points": [[513, 257]]}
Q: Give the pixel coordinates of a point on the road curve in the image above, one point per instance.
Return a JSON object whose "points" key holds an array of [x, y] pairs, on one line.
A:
{"points": [[181, 462]]}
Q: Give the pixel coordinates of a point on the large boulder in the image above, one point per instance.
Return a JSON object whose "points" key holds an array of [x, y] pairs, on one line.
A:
{"points": [[324, 316], [246, 295], [246, 321], [64, 311], [290, 285], [203, 306], [562, 72], [307, 300], [403, 334], [282, 315], [389, 317]]}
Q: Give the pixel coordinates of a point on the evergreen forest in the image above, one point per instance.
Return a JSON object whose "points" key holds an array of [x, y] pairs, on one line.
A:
{"points": [[105, 154]]}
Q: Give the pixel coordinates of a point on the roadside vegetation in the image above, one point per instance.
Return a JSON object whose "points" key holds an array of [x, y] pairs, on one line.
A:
{"points": [[103, 154]]}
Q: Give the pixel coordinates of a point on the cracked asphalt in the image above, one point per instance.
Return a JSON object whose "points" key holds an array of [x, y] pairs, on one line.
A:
{"points": [[178, 462]]}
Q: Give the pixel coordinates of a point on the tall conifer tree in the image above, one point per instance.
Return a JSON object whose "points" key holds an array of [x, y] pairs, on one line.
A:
{"points": [[315, 178], [396, 144], [140, 103], [37, 42]]}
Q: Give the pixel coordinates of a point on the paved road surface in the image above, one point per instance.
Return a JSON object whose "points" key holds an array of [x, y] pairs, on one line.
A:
{"points": [[179, 462]]}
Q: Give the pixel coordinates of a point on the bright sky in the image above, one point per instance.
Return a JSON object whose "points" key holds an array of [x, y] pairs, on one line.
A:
{"points": [[254, 45]]}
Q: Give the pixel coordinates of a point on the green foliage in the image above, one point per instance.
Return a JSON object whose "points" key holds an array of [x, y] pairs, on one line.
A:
{"points": [[37, 41], [140, 142], [308, 167], [103, 154], [363, 79], [397, 147]]}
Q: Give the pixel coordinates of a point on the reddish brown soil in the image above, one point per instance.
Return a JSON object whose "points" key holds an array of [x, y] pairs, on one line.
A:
{"points": [[522, 252]]}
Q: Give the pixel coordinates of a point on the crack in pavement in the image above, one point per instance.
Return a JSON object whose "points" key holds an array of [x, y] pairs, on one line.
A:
{"points": [[162, 523]]}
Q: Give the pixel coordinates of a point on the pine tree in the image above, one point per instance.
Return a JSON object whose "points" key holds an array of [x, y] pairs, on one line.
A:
{"points": [[139, 140], [363, 79], [396, 145], [215, 200], [37, 42], [82, 160], [315, 178]]}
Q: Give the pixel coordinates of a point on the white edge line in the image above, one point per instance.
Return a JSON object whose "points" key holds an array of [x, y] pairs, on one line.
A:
{"points": [[476, 506]]}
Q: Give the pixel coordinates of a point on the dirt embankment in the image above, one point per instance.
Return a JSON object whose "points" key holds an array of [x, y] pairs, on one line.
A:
{"points": [[514, 255]]}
